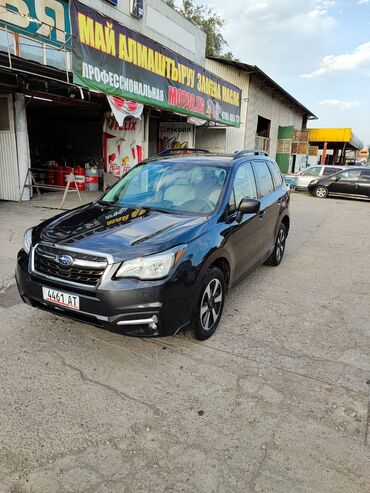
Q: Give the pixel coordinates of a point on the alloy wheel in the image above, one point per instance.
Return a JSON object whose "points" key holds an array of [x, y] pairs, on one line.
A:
{"points": [[211, 304], [280, 244], [321, 192]]}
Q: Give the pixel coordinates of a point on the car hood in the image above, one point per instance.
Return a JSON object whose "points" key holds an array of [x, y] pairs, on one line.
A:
{"points": [[120, 231]]}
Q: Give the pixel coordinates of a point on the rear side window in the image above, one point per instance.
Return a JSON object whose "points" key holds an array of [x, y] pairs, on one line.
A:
{"points": [[244, 186], [315, 171], [276, 174], [264, 178], [330, 171]]}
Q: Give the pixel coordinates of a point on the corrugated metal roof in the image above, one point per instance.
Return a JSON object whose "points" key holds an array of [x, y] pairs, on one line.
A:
{"points": [[254, 70]]}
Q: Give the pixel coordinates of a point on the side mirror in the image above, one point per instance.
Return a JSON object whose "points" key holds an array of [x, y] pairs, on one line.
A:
{"points": [[248, 206], [337, 178]]}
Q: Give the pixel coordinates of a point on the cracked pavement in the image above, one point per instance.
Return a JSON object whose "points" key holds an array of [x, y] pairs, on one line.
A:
{"points": [[276, 401]]}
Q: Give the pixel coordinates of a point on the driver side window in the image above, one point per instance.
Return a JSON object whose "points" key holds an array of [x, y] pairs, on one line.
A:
{"points": [[244, 187]]}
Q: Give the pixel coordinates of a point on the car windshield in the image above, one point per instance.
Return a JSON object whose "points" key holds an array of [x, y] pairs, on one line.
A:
{"points": [[170, 186]]}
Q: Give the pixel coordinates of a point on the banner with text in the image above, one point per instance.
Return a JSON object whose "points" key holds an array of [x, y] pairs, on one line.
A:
{"points": [[112, 59]]}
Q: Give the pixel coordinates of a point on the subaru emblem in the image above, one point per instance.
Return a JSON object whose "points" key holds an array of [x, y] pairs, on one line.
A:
{"points": [[65, 260]]}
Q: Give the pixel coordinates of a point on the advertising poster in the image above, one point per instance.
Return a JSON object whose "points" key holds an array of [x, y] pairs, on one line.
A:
{"points": [[175, 135], [112, 59], [123, 145]]}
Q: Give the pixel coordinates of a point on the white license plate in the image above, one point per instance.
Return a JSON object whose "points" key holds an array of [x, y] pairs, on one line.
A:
{"points": [[61, 298]]}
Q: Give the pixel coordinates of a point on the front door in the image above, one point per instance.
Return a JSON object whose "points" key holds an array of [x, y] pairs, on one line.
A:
{"points": [[346, 182], [363, 185], [243, 238]]}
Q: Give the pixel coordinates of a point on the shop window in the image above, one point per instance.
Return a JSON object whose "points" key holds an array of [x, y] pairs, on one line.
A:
{"points": [[7, 38], [4, 115], [55, 58], [31, 50]]}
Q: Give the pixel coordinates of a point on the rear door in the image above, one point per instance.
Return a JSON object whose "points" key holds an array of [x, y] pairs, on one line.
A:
{"points": [[363, 185], [346, 182], [306, 176], [270, 206]]}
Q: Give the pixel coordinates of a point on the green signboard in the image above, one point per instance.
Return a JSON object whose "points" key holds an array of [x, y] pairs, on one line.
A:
{"points": [[112, 59]]}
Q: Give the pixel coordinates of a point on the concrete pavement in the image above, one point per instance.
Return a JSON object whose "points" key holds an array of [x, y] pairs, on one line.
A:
{"points": [[274, 402]]}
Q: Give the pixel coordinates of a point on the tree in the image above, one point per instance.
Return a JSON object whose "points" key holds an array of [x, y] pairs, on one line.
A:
{"points": [[209, 22]]}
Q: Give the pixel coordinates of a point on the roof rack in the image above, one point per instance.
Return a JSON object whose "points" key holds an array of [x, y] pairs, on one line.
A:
{"points": [[249, 152], [182, 150]]}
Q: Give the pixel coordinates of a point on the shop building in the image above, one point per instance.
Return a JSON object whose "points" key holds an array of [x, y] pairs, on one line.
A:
{"points": [[60, 61], [271, 119]]}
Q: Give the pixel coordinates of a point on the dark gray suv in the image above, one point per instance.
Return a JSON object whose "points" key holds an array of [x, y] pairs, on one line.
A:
{"points": [[158, 252]]}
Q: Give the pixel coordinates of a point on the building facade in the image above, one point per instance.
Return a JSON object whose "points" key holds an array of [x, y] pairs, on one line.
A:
{"points": [[60, 61], [266, 110]]}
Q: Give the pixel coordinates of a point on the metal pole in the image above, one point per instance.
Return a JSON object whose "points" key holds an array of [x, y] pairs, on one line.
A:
{"points": [[324, 153], [343, 156]]}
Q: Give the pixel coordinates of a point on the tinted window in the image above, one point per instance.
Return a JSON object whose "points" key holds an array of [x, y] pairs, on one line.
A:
{"points": [[366, 175], [276, 174], [330, 170], [352, 174], [264, 178], [244, 186], [312, 171]]}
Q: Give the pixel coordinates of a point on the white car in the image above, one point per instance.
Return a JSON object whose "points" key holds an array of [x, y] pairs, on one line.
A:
{"points": [[303, 178]]}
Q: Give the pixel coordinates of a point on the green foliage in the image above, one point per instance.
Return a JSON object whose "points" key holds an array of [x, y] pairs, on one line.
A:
{"points": [[209, 22]]}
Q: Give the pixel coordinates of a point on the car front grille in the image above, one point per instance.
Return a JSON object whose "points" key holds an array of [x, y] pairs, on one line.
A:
{"points": [[86, 269]]}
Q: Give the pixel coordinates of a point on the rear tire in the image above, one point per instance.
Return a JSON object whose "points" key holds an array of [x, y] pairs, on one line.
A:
{"points": [[210, 304], [279, 249], [321, 192]]}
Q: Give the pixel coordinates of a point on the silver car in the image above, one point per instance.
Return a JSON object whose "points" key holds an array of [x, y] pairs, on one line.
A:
{"points": [[304, 177]]}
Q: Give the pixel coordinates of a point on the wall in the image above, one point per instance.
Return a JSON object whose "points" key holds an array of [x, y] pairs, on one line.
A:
{"points": [[231, 139], [262, 103], [160, 23]]}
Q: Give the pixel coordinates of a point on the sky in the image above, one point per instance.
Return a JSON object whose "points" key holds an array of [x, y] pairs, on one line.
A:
{"points": [[317, 50]]}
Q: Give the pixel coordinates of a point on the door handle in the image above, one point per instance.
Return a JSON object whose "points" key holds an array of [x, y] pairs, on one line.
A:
{"points": [[261, 215]]}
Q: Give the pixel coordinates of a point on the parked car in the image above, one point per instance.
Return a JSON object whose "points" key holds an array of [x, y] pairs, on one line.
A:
{"points": [[301, 180], [158, 251], [353, 181]]}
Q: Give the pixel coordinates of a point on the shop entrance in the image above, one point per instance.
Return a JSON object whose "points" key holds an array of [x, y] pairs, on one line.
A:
{"points": [[168, 131], [65, 137]]}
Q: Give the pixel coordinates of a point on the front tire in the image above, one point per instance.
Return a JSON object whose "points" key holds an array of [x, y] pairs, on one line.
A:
{"points": [[321, 192], [279, 249], [210, 304]]}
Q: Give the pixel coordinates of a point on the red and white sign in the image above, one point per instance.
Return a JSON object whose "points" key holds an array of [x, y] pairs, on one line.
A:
{"points": [[122, 108], [123, 144]]}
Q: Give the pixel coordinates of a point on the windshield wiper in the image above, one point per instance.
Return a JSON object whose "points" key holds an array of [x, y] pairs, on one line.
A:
{"points": [[158, 209]]}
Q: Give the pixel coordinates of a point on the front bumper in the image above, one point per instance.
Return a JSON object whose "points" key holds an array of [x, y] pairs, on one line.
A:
{"points": [[129, 306]]}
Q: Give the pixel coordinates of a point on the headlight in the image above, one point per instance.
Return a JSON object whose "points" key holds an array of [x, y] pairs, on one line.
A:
{"points": [[153, 266], [27, 241]]}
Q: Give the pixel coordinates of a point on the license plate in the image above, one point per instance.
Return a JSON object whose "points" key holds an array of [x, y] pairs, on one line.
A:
{"points": [[61, 298]]}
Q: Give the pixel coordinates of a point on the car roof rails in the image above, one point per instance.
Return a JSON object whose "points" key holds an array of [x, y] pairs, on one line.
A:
{"points": [[249, 152], [182, 150]]}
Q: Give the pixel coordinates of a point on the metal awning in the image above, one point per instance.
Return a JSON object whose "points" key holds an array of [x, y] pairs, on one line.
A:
{"points": [[335, 138]]}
